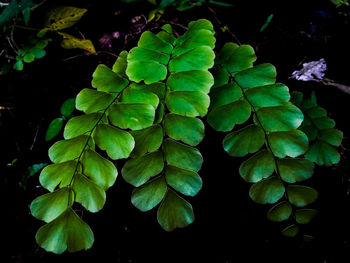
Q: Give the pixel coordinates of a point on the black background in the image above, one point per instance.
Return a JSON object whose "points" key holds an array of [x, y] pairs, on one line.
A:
{"points": [[228, 227]]}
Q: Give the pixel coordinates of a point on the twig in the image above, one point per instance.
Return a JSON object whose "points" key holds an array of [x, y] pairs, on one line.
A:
{"points": [[329, 82], [35, 137], [222, 25], [107, 52]]}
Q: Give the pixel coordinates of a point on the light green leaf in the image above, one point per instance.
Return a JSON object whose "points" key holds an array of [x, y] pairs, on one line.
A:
{"points": [[182, 156], [139, 170], [267, 191], [300, 195], [49, 206], [225, 95], [148, 71], [149, 41], [55, 174], [174, 212], [100, 170], [138, 96], [268, 96], [80, 125], [259, 166], [88, 194], [67, 231], [279, 212], [236, 58], [150, 194], [261, 75], [147, 140], [54, 128], [187, 129], [120, 64], [304, 216], [188, 103], [288, 143], [280, 118], [322, 153], [104, 79], [224, 118], [117, 143], [331, 136], [295, 170], [246, 140], [185, 181], [70, 149], [195, 80], [134, 116], [90, 100]]}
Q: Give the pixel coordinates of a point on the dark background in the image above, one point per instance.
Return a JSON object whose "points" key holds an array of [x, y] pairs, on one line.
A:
{"points": [[229, 227]]}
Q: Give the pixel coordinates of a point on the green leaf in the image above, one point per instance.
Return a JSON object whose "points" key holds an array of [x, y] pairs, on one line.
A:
{"points": [[36, 168], [185, 181], [188, 103], [80, 125], [117, 143], [137, 96], [236, 58], [174, 212], [182, 156], [224, 118], [139, 170], [70, 149], [221, 77], [246, 140], [195, 80], [290, 231], [332, 136], [261, 75], [37, 52], [288, 143], [322, 153], [304, 216], [187, 129], [18, 65], [49, 206], [295, 170], [104, 79], [148, 71], [300, 195], [57, 174], [100, 170], [88, 194], [280, 118], [279, 212], [134, 116], [89, 100], [54, 129], [63, 17], [267, 191], [259, 166], [150, 194], [68, 107], [67, 231], [120, 64], [268, 96], [28, 58], [147, 140], [224, 95]]}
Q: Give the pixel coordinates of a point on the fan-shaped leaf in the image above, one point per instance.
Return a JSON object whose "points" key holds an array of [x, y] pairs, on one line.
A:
{"points": [[267, 191], [68, 107], [246, 140], [261, 75], [224, 95], [49, 206], [185, 181], [147, 140], [259, 166], [187, 129], [54, 128], [182, 156], [295, 170], [300, 195], [331, 136], [150, 194], [304, 216], [279, 212], [80, 125], [322, 153], [137, 171], [268, 96], [104, 79], [67, 231], [89, 100], [174, 212], [120, 64], [195, 80], [137, 96], [100, 170], [117, 143], [290, 231], [88, 194], [288, 143]]}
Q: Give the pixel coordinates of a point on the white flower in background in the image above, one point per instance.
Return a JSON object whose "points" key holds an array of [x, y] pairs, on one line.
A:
{"points": [[311, 71]]}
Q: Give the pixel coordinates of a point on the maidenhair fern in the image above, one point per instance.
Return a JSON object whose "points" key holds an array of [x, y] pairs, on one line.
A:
{"points": [[147, 109], [178, 70], [320, 129], [242, 92]]}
